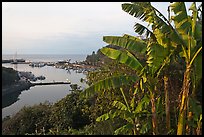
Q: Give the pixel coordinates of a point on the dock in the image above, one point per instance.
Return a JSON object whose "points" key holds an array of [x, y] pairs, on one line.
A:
{"points": [[48, 83]]}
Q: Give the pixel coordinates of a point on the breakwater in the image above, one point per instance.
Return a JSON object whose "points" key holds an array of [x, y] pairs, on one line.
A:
{"points": [[48, 83], [25, 85]]}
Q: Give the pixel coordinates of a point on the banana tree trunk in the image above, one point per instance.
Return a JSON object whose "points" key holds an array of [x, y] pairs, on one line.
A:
{"points": [[154, 117], [188, 128], [184, 98], [167, 107]]}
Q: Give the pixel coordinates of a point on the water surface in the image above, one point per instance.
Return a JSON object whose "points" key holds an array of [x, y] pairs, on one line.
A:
{"points": [[37, 94]]}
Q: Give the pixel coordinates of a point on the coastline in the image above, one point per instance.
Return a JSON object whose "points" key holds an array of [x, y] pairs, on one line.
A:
{"points": [[11, 93], [16, 87]]}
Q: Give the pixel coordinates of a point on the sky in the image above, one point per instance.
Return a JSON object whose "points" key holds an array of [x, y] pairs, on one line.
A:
{"points": [[64, 27]]}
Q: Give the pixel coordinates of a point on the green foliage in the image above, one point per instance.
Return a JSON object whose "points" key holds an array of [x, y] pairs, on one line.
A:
{"points": [[86, 130], [28, 120], [126, 129], [109, 83], [156, 56], [127, 42], [126, 94], [165, 41], [92, 59], [70, 112], [154, 62], [186, 27], [197, 73], [123, 57], [131, 116], [140, 29]]}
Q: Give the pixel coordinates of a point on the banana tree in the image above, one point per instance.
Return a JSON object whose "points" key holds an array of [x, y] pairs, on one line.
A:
{"points": [[146, 72], [155, 61], [190, 32], [185, 37], [165, 39], [131, 114], [162, 32]]}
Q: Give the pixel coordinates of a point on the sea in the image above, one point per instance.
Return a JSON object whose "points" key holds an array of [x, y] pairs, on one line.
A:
{"points": [[11, 104], [46, 57]]}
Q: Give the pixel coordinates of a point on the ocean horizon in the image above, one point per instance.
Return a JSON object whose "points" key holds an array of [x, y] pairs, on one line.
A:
{"points": [[46, 57]]}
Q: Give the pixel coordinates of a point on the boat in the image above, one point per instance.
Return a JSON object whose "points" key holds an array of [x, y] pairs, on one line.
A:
{"points": [[61, 61], [37, 64], [14, 62], [31, 64], [41, 77], [14, 59], [41, 64]]}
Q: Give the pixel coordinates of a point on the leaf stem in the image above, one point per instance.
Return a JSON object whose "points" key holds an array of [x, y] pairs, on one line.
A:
{"points": [[125, 99]]}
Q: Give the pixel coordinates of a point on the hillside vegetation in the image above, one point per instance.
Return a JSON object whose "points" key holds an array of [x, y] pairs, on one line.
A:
{"points": [[150, 86]]}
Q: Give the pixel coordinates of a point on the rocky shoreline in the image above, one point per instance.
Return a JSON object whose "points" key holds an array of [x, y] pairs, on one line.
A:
{"points": [[16, 87]]}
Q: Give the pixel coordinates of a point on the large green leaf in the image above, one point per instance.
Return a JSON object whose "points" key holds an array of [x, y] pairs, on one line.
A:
{"points": [[198, 32], [119, 105], [124, 112], [196, 27], [137, 9], [162, 28], [124, 129], [103, 117], [141, 105], [116, 113], [124, 57], [140, 29], [180, 12], [156, 56], [109, 83], [110, 115], [121, 111], [162, 38], [195, 108], [146, 12], [181, 18], [127, 42], [197, 71]]}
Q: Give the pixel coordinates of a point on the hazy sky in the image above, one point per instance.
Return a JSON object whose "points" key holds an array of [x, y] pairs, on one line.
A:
{"points": [[64, 27]]}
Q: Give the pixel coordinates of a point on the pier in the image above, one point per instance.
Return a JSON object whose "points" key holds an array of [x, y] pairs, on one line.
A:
{"points": [[49, 83]]}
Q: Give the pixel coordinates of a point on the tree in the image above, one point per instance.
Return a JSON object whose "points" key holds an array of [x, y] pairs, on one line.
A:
{"points": [[145, 74], [189, 30], [185, 38], [166, 40]]}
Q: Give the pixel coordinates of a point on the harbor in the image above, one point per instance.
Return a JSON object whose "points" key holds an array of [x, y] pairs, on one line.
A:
{"points": [[21, 94], [78, 67]]}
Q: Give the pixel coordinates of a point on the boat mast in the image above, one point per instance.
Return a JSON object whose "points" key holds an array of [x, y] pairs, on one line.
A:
{"points": [[15, 61]]}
